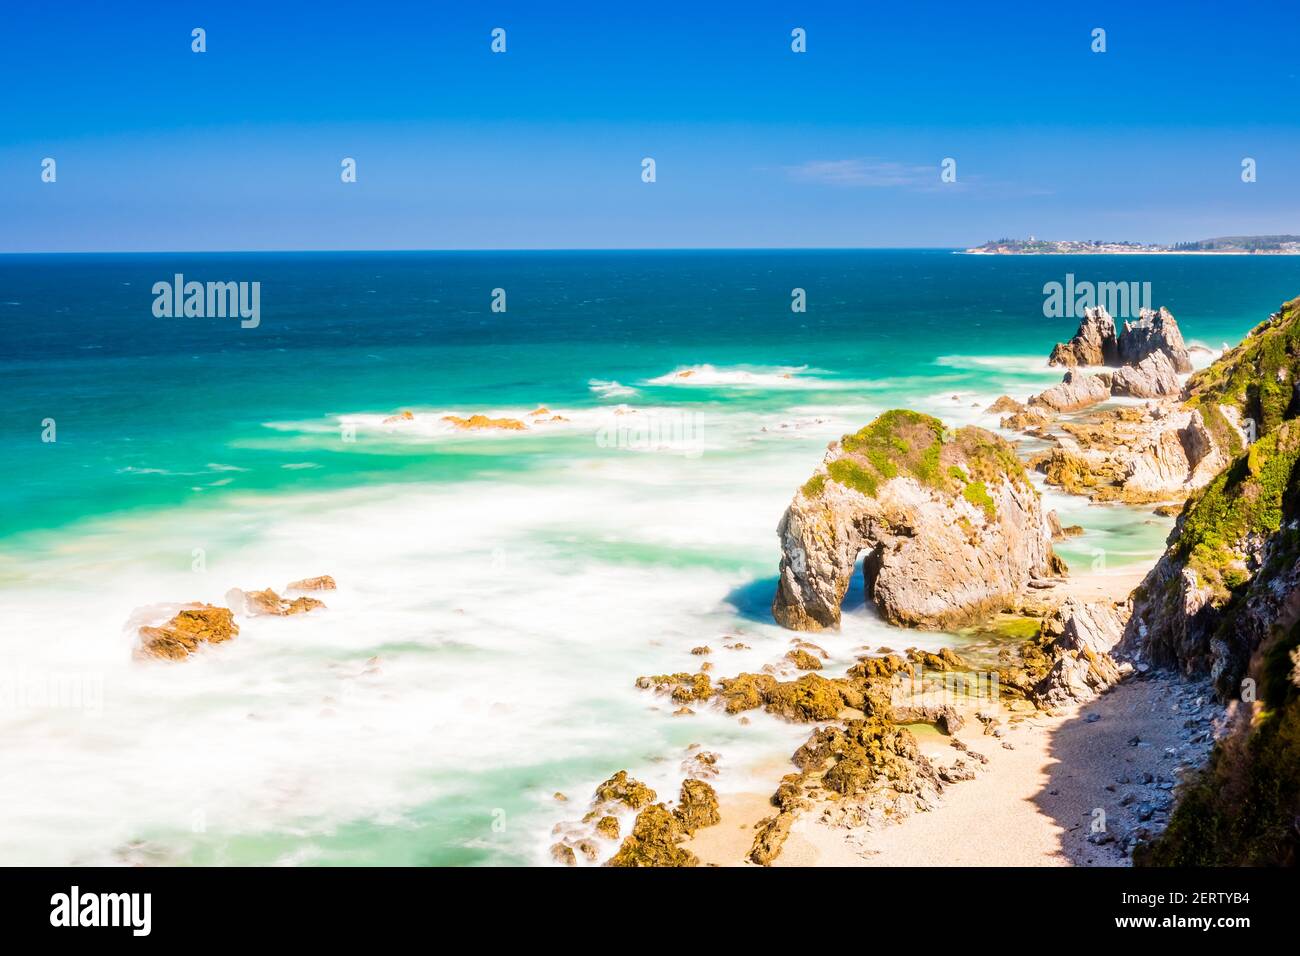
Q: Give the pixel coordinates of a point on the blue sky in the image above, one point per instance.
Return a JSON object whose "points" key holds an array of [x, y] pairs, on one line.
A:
{"points": [[238, 148]]}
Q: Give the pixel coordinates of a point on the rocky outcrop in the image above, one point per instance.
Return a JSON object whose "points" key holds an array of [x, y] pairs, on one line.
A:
{"points": [[1205, 606], [697, 806], [1077, 390], [1079, 638], [1093, 344], [947, 522], [181, 636], [1136, 455], [1096, 341], [621, 788], [1151, 333], [484, 423], [1153, 377], [654, 841], [267, 602], [322, 583], [1005, 405]]}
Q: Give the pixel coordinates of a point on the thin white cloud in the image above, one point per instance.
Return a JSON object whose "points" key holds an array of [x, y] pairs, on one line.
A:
{"points": [[864, 173]]}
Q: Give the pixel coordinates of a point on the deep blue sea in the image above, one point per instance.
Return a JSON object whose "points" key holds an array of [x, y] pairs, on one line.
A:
{"points": [[499, 591]]}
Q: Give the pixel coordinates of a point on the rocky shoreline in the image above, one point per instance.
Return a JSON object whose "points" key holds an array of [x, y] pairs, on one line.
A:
{"points": [[953, 534]]}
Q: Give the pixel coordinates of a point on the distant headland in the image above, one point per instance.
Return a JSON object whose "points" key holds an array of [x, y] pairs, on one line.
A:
{"points": [[1222, 245]]}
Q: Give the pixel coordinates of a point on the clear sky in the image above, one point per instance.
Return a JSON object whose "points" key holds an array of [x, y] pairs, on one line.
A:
{"points": [[239, 148]]}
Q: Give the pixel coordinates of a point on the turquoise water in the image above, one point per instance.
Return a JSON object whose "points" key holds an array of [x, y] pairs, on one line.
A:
{"points": [[511, 585]]}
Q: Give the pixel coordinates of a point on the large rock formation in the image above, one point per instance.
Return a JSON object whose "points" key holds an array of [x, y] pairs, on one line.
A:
{"points": [[1153, 332], [948, 522], [1153, 377], [1096, 341], [1134, 455], [1093, 344]]}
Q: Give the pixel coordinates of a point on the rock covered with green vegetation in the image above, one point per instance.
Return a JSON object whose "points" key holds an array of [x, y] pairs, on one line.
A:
{"points": [[1207, 604], [948, 522], [1224, 601]]}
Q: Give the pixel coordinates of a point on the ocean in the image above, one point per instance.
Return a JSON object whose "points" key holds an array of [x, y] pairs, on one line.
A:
{"points": [[500, 591]]}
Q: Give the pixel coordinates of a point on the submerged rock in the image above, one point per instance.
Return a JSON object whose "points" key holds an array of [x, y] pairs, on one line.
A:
{"points": [[322, 583], [950, 526], [257, 603], [181, 636], [563, 853], [483, 422], [803, 660]]}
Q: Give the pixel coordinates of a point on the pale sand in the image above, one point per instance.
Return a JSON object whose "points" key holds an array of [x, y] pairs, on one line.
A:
{"points": [[1114, 584], [1030, 806]]}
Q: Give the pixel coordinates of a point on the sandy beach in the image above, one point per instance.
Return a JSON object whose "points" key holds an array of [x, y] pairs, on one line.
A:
{"points": [[1051, 781]]}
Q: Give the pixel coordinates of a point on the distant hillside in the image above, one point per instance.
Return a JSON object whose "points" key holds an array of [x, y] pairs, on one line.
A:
{"points": [[1240, 244]]}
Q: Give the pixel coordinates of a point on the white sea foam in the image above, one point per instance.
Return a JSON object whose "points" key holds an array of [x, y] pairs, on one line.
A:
{"points": [[610, 389], [742, 377], [509, 620]]}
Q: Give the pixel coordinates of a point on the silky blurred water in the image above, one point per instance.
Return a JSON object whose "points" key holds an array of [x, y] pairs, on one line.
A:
{"points": [[499, 592]]}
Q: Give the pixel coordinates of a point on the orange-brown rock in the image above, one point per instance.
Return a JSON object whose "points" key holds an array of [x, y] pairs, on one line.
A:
{"points": [[322, 583], [480, 422], [181, 636], [258, 603], [399, 417]]}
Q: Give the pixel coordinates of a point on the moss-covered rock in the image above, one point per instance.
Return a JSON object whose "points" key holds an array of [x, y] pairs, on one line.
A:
{"points": [[607, 826], [621, 788], [697, 806], [744, 691], [654, 841], [947, 519], [803, 660], [1258, 377]]}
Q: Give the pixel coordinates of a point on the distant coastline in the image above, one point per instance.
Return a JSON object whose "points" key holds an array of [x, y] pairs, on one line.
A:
{"points": [[1219, 246]]}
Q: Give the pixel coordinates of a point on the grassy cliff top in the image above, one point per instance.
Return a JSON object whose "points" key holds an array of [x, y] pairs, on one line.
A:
{"points": [[1247, 497], [1256, 377], [906, 443]]}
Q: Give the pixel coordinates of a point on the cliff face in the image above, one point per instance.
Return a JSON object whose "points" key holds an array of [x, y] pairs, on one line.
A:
{"points": [[1225, 600], [1211, 599], [948, 522]]}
